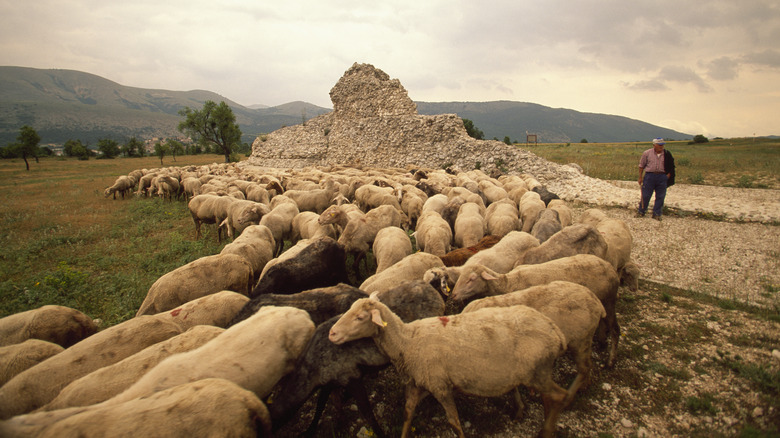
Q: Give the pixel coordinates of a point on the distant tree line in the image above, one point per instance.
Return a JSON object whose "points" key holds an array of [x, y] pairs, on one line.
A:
{"points": [[213, 130]]}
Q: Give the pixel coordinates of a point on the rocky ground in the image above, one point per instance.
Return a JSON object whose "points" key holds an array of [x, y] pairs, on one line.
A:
{"points": [[698, 353]]}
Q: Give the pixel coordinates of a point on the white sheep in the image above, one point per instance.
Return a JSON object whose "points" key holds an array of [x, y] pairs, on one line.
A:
{"points": [[58, 324], [390, 246], [201, 277], [502, 217], [340, 215], [492, 191], [486, 353], [315, 199], [217, 309], [360, 233], [572, 307], [433, 234], [109, 381], [411, 267], [256, 245], [469, 226], [182, 411], [369, 196], [501, 258], [39, 384], [255, 354], [241, 214], [191, 187], [530, 205], [279, 219], [166, 187], [585, 269], [123, 185], [16, 358], [565, 213], [436, 203], [209, 209], [306, 225]]}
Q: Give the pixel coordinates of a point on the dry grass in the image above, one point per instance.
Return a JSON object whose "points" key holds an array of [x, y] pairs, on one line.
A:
{"points": [[725, 163]]}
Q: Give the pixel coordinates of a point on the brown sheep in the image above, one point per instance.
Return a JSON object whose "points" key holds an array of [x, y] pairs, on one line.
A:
{"points": [[58, 324], [182, 411], [204, 276], [572, 240], [16, 358], [39, 384]]}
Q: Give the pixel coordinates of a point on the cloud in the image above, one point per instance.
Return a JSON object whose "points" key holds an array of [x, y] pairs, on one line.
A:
{"points": [[767, 58], [723, 68], [649, 85]]}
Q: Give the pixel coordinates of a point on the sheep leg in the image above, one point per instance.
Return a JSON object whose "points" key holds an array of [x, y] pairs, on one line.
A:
{"points": [[414, 394], [322, 400], [356, 388], [519, 405], [447, 401], [553, 398], [613, 329], [584, 365]]}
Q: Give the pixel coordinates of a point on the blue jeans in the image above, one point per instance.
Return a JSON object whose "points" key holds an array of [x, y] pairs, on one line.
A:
{"points": [[653, 182]]}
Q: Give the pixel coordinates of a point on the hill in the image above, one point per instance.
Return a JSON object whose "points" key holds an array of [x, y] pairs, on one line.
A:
{"points": [[551, 125], [68, 104]]}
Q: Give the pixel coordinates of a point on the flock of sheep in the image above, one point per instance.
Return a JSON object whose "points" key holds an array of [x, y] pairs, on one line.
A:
{"points": [[472, 284]]}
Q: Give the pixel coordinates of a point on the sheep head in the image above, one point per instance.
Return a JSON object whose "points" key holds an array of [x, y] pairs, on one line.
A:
{"points": [[362, 320], [472, 282]]}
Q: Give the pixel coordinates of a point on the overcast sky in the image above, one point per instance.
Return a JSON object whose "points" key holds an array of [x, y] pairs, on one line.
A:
{"points": [[701, 66]]}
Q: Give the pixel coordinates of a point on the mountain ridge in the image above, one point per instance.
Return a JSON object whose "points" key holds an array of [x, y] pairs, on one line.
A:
{"points": [[66, 104]]}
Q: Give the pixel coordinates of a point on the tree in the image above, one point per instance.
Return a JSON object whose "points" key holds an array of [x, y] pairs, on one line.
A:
{"points": [[472, 130], [133, 148], [74, 148], [214, 124], [160, 150], [584, 140], [174, 147], [110, 148], [699, 138], [26, 144], [507, 140]]}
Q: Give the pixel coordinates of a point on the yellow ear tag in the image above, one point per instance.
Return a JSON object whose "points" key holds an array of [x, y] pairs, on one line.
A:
{"points": [[384, 323]]}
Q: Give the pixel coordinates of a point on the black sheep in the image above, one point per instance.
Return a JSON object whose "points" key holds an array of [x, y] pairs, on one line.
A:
{"points": [[320, 264], [328, 366], [545, 194], [321, 303]]}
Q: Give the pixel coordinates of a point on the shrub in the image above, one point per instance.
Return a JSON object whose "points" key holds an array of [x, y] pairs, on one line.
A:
{"points": [[696, 178]]}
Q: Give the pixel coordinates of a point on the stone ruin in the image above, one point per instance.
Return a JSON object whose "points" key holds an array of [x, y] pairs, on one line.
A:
{"points": [[375, 124]]}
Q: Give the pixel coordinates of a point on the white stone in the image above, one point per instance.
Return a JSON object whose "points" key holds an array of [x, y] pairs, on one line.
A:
{"points": [[626, 423], [606, 386], [757, 412]]}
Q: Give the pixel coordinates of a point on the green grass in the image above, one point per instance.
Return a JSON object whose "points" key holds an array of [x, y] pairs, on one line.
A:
{"points": [[731, 162], [65, 243]]}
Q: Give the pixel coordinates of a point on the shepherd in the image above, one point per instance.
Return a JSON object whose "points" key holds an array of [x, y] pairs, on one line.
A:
{"points": [[657, 165]]}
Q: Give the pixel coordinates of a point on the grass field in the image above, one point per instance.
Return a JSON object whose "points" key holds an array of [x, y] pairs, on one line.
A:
{"points": [[64, 243], [728, 163]]}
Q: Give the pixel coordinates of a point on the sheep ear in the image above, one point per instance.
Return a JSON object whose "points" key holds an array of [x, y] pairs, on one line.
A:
{"points": [[377, 318], [488, 276], [374, 296]]}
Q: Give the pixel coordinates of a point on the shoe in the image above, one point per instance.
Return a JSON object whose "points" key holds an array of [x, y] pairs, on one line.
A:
{"points": [[658, 218], [640, 214]]}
